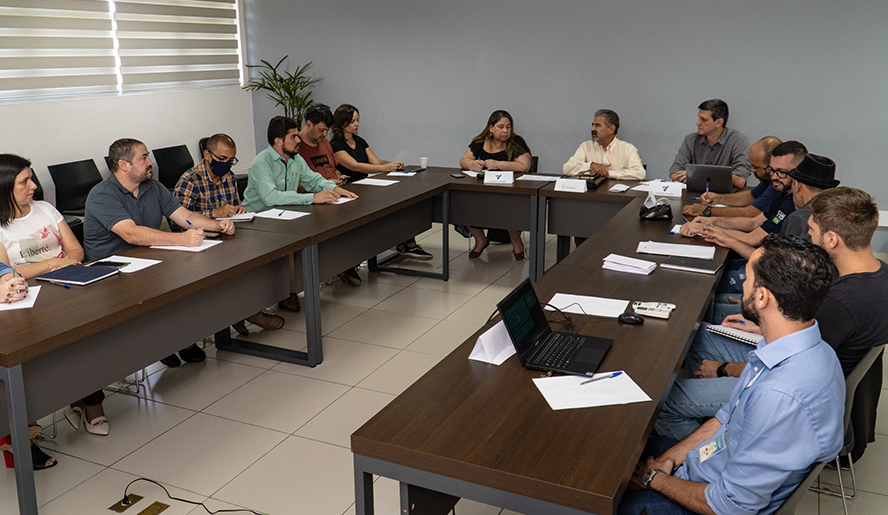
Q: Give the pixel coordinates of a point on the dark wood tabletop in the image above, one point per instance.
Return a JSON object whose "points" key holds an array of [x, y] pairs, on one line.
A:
{"points": [[489, 424], [64, 315]]}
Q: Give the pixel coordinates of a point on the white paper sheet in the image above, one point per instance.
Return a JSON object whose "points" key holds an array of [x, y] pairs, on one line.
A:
{"points": [[676, 249], [586, 305], [203, 246], [494, 346], [375, 182], [242, 217], [281, 214], [401, 174], [26, 303], [470, 173], [662, 188], [535, 177], [618, 188], [565, 392], [341, 200], [676, 229], [135, 264]]}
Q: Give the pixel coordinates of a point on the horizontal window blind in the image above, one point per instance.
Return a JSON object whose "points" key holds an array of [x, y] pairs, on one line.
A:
{"points": [[55, 48], [176, 43]]}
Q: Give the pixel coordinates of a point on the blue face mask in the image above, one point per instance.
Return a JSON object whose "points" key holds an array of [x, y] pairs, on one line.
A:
{"points": [[220, 168]]}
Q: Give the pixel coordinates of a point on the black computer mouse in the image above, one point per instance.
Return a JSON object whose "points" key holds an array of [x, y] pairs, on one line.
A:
{"points": [[631, 317]]}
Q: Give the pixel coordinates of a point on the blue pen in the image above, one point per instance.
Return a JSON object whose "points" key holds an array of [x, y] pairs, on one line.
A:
{"points": [[611, 376], [190, 224], [707, 186], [695, 198], [685, 219]]}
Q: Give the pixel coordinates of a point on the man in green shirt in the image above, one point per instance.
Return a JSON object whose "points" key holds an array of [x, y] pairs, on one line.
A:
{"points": [[276, 174]]}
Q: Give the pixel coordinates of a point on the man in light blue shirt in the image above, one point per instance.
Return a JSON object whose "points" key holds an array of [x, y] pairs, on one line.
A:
{"points": [[784, 415], [278, 171]]}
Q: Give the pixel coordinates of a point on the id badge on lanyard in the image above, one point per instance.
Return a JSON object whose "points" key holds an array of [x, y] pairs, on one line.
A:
{"points": [[717, 444]]}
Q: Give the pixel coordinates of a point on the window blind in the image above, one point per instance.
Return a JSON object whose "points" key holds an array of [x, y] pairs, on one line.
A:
{"points": [[56, 48], [177, 43]]}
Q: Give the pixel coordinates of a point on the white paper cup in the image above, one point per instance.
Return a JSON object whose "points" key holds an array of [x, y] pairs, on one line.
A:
{"points": [[423, 162]]}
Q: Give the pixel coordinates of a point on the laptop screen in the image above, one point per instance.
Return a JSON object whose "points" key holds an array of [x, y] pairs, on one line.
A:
{"points": [[523, 317]]}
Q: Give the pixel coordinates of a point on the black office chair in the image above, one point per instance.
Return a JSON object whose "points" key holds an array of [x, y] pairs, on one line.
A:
{"points": [[789, 505], [851, 383], [108, 162], [202, 144], [76, 224], [171, 163], [534, 164], [73, 182]]}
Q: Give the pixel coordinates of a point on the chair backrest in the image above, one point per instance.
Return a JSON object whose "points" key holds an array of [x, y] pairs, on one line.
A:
{"points": [[202, 145], [108, 162], [789, 505], [73, 182], [171, 163], [854, 378], [534, 164]]}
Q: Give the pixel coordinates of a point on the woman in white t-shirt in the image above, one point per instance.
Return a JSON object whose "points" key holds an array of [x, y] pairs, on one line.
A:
{"points": [[35, 239]]}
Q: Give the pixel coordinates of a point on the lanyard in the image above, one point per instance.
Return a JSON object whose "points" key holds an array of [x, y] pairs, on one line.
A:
{"points": [[741, 396]]}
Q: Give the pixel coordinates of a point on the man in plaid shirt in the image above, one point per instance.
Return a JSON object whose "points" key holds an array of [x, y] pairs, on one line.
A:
{"points": [[210, 189]]}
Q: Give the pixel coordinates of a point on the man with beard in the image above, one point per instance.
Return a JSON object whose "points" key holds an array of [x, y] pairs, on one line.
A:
{"points": [[748, 203], [275, 177], [843, 221], [605, 154], [278, 171], [784, 415], [127, 209]]}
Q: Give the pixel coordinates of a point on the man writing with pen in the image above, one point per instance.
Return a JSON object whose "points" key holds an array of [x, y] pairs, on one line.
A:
{"points": [[210, 189], [127, 209]]}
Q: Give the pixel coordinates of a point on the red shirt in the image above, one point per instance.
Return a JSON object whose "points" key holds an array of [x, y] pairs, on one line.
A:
{"points": [[320, 159]]}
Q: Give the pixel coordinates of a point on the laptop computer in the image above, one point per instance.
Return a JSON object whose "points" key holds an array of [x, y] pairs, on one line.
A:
{"points": [[717, 177], [541, 348]]}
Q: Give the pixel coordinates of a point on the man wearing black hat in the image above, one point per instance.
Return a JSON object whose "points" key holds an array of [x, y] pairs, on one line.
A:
{"points": [[813, 175]]}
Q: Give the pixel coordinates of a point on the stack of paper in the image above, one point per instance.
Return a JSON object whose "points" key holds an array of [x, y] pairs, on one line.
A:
{"points": [[470, 173], [242, 217], [618, 188], [535, 177], [402, 174], [588, 305], [376, 182], [676, 249], [628, 264]]}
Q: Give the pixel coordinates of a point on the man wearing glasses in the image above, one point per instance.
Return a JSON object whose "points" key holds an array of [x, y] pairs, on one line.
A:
{"points": [[748, 203], [210, 189]]}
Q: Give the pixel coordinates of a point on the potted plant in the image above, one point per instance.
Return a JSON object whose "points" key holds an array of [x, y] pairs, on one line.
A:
{"points": [[291, 90]]}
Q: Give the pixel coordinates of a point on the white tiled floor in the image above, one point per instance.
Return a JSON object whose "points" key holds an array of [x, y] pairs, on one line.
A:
{"points": [[238, 431]]}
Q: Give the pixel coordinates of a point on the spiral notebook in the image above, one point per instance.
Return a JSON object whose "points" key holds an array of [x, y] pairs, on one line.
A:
{"points": [[736, 334]]}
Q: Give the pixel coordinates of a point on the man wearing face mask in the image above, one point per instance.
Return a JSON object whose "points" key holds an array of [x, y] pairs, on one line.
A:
{"points": [[209, 189], [605, 154]]}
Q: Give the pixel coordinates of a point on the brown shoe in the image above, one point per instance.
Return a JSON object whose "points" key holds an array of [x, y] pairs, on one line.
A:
{"points": [[241, 328], [351, 277], [291, 303], [266, 321]]}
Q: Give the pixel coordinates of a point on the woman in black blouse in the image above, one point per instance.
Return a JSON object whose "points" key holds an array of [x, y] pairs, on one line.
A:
{"points": [[497, 148], [356, 160]]}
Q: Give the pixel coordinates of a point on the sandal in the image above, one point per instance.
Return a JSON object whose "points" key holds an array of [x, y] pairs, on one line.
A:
{"points": [[39, 459], [473, 254], [519, 256]]}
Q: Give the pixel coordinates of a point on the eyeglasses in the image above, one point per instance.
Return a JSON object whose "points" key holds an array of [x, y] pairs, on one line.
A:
{"points": [[232, 160], [779, 174]]}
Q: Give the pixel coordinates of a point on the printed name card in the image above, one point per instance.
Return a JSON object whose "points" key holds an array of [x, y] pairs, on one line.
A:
{"points": [[575, 185], [497, 177]]}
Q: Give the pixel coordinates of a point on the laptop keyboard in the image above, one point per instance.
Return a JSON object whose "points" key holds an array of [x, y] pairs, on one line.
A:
{"points": [[559, 350]]}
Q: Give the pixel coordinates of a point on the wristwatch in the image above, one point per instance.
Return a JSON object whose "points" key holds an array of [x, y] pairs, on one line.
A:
{"points": [[649, 476], [722, 372], [708, 211]]}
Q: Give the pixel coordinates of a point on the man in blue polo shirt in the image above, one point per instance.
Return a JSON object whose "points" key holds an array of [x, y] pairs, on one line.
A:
{"points": [[784, 415], [127, 209]]}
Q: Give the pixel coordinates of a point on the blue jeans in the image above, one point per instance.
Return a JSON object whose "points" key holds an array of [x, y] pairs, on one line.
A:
{"points": [[732, 277], [722, 307], [691, 401], [634, 501]]}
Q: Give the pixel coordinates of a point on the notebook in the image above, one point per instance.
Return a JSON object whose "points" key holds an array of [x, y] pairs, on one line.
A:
{"points": [[701, 266], [736, 334], [718, 178], [541, 348], [77, 275]]}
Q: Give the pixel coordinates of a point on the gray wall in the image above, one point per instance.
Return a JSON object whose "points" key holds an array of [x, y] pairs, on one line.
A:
{"points": [[426, 75]]}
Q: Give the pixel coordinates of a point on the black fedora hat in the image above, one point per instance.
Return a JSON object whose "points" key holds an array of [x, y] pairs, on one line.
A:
{"points": [[817, 171]]}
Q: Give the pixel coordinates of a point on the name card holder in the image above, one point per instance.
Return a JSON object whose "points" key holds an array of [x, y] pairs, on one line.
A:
{"points": [[497, 177], [575, 185]]}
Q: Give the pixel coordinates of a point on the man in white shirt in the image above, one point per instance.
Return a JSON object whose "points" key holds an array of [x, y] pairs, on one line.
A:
{"points": [[605, 154]]}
